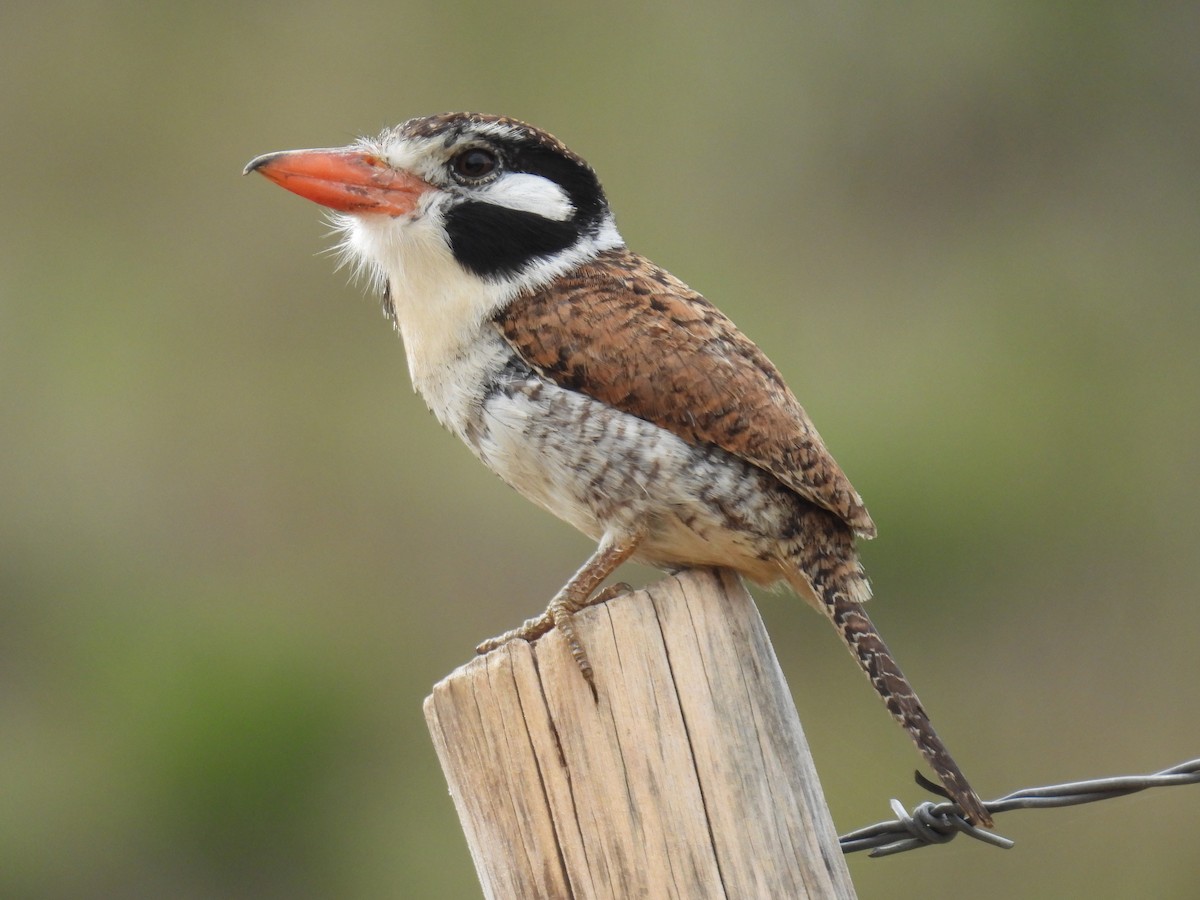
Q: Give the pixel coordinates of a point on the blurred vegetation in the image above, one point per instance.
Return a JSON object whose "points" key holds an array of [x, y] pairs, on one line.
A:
{"points": [[235, 552]]}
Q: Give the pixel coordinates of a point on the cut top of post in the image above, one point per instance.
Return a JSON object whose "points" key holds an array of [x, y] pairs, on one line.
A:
{"points": [[690, 777]]}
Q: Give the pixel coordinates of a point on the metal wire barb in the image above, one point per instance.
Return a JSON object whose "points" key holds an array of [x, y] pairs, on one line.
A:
{"points": [[938, 823]]}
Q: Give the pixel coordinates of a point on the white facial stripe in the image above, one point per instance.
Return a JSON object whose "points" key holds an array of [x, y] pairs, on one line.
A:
{"points": [[528, 193]]}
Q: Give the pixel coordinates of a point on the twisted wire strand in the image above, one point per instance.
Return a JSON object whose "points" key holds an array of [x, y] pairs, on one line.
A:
{"points": [[938, 823]]}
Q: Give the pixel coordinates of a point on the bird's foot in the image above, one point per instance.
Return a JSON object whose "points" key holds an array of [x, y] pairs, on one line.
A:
{"points": [[560, 608], [560, 614], [612, 592], [576, 594], [531, 630]]}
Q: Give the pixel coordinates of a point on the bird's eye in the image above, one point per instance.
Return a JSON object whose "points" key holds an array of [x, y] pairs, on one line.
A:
{"points": [[474, 163]]}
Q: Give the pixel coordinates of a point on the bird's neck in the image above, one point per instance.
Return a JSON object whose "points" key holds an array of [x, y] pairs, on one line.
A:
{"points": [[440, 308]]}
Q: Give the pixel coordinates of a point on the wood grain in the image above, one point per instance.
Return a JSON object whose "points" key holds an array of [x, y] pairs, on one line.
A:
{"points": [[690, 778]]}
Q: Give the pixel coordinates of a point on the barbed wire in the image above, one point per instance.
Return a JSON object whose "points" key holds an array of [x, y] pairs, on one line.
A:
{"points": [[938, 823]]}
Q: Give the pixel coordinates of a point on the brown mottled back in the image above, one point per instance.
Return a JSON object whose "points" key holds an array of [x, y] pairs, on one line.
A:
{"points": [[631, 335]]}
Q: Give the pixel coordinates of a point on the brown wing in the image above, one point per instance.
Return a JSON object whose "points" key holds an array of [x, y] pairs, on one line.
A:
{"points": [[630, 334]]}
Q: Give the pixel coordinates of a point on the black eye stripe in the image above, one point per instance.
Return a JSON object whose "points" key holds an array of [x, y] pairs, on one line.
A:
{"points": [[573, 176]]}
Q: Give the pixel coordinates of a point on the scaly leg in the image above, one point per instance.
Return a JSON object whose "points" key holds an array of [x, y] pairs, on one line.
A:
{"points": [[576, 594]]}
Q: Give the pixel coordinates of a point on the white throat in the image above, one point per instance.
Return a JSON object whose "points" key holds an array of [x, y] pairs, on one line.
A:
{"points": [[439, 305], [441, 308]]}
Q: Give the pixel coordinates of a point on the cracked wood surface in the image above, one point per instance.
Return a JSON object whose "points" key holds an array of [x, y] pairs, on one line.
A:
{"points": [[690, 778]]}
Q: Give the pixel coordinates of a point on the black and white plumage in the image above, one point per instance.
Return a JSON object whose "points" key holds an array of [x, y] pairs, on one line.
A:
{"points": [[595, 383]]}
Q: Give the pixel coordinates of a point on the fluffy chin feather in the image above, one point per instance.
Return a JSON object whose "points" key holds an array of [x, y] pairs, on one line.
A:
{"points": [[348, 254]]}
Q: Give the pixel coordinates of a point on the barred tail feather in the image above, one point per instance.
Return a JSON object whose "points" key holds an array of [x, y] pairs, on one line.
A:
{"points": [[864, 641], [872, 653]]}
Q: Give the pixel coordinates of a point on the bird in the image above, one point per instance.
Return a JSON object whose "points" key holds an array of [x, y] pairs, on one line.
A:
{"points": [[596, 383]]}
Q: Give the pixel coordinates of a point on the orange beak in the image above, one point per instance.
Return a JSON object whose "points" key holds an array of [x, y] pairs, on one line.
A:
{"points": [[347, 180]]}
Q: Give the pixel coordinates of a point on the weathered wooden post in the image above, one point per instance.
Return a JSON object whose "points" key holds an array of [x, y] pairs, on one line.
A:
{"points": [[690, 777]]}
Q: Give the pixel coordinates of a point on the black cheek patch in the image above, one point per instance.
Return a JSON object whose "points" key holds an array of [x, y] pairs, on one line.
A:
{"points": [[495, 241]]}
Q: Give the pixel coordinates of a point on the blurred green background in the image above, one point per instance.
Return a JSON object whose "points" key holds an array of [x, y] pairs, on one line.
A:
{"points": [[236, 552]]}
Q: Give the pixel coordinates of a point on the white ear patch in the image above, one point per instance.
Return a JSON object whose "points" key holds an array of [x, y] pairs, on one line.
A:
{"points": [[528, 193]]}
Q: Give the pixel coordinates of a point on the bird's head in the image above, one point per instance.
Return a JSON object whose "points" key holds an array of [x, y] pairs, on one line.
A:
{"points": [[455, 202]]}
